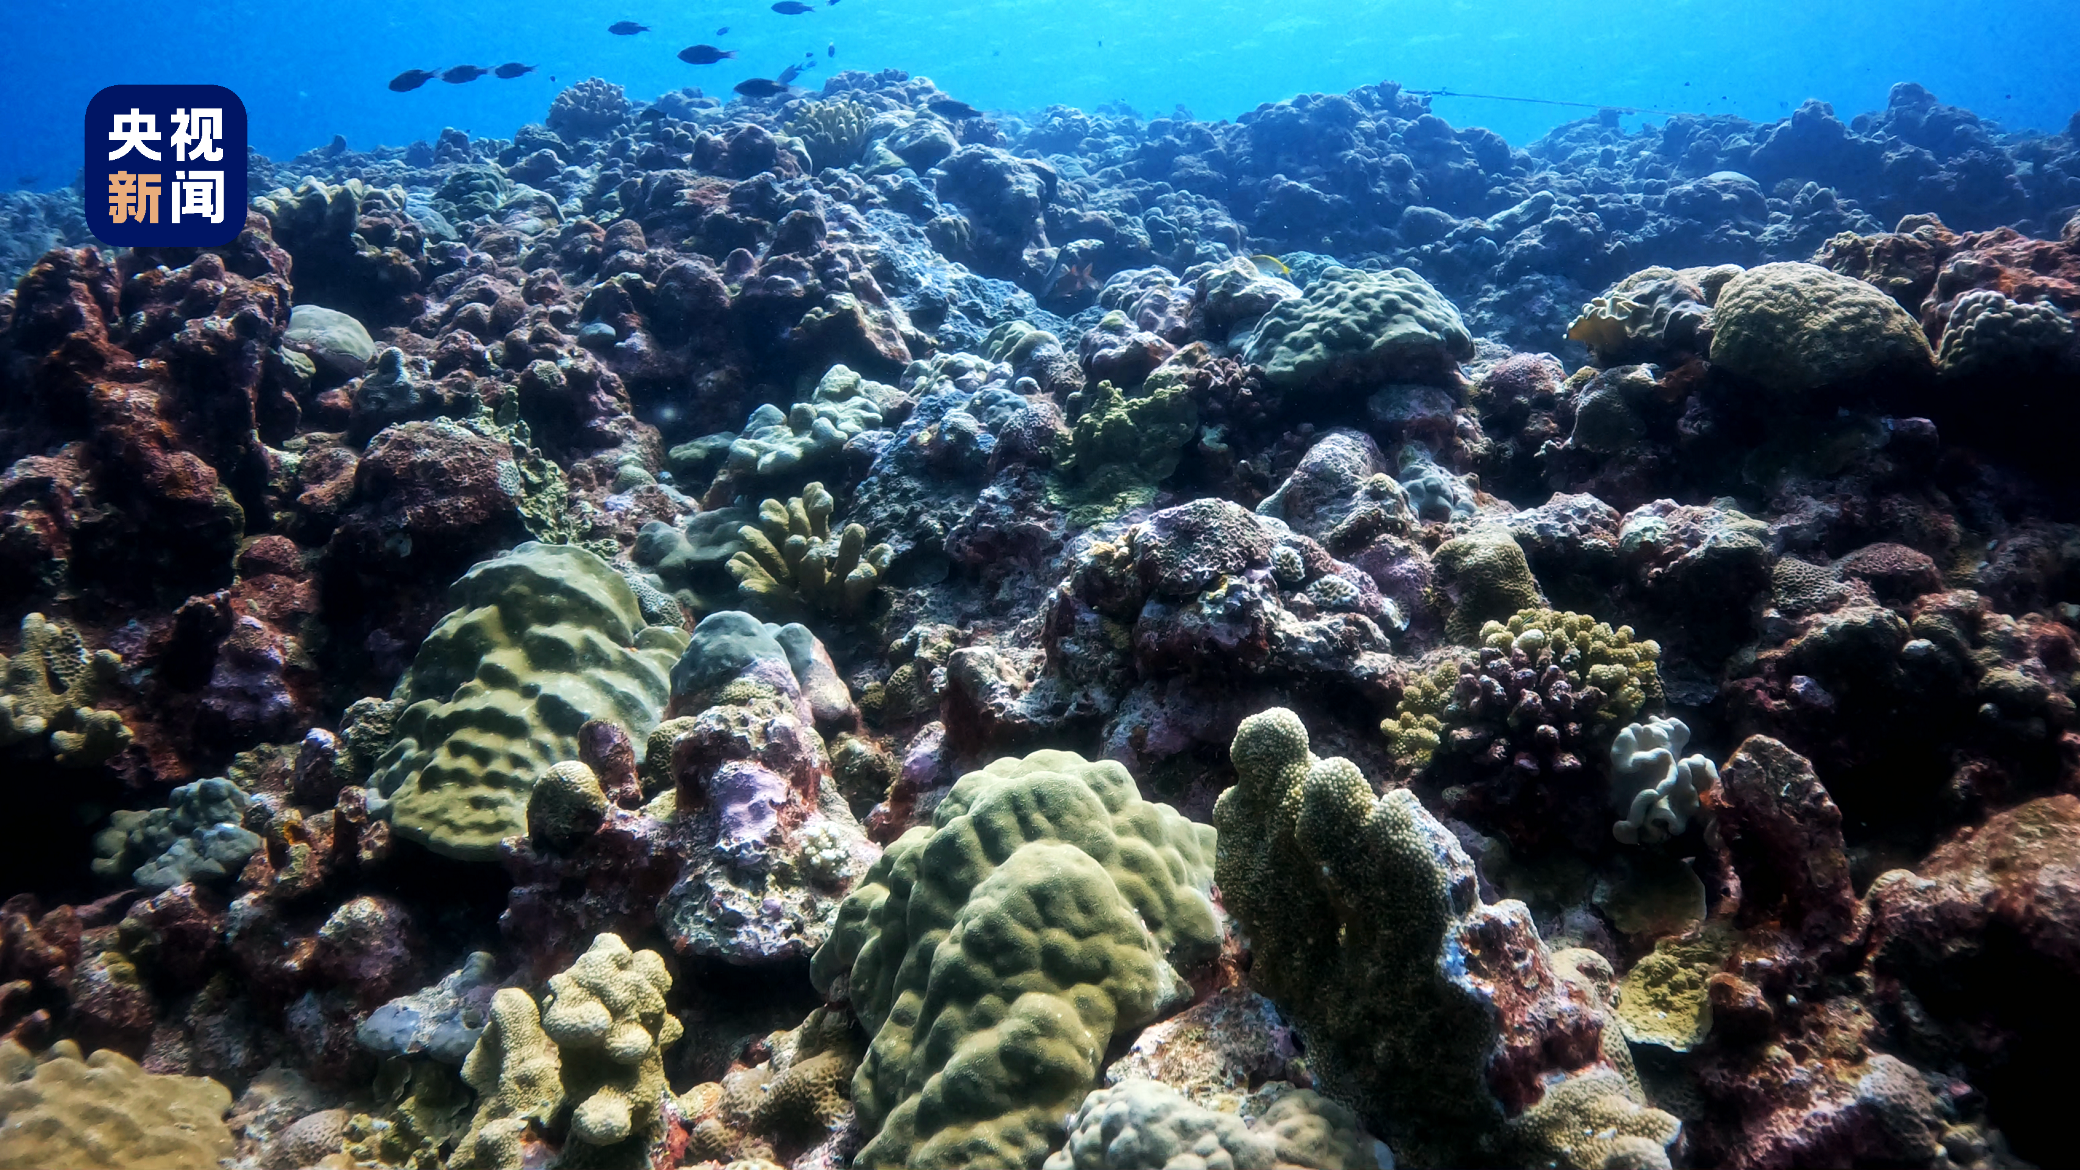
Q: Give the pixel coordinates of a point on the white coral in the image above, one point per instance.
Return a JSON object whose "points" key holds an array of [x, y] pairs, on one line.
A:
{"points": [[1657, 789]]}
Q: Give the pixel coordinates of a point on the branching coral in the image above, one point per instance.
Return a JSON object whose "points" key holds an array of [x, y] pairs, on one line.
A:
{"points": [[811, 432], [791, 561], [47, 694], [596, 1045]]}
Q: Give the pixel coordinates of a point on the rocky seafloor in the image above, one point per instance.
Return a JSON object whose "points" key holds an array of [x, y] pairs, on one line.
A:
{"points": [[811, 633]]}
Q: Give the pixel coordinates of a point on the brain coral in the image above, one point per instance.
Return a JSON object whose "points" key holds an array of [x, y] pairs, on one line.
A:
{"points": [[59, 1110], [1357, 329], [1433, 1012], [1798, 328], [996, 954], [540, 641]]}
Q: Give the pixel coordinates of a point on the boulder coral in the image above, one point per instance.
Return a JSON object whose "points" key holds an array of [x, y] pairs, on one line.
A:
{"points": [[996, 954], [541, 641]]}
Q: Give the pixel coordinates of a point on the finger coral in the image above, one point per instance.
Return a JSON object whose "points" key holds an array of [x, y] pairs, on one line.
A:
{"points": [[791, 561]]}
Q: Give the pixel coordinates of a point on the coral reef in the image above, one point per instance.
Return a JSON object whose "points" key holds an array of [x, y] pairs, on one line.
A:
{"points": [[47, 696], [791, 562], [887, 537]]}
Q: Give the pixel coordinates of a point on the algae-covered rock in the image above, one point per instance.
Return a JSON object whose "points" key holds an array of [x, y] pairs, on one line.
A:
{"points": [[540, 641], [1794, 329], [1119, 448], [103, 1112], [996, 954], [1355, 329]]}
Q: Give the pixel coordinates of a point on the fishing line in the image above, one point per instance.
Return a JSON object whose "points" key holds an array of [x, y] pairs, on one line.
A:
{"points": [[1490, 97]]}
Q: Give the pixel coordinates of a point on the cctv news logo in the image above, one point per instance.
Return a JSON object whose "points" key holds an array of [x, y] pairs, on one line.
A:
{"points": [[166, 166]]}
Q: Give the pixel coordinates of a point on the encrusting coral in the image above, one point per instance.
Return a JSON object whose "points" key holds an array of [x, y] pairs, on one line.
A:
{"points": [[198, 837], [799, 1097], [791, 561], [1147, 1125], [47, 693], [996, 954]]}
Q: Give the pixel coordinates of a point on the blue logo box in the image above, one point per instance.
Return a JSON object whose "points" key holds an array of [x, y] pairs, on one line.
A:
{"points": [[166, 166]]}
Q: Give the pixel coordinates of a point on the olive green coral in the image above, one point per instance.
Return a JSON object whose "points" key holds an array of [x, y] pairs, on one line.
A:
{"points": [[996, 954], [542, 640], [800, 1094], [47, 694], [1120, 448], [1367, 928], [593, 1056], [833, 131], [1361, 329], [517, 1073], [790, 559], [1796, 328], [1595, 1121], [62, 1109], [1989, 333], [1617, 662], [1482, 575], [607, 1018]]}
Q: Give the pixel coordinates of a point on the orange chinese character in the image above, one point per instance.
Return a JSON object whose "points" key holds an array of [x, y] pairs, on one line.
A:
{"points": [[133, 197]]}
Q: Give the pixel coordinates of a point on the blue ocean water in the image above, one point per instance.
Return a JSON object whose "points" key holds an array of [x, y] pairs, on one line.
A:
{"points": [[311, 70]]}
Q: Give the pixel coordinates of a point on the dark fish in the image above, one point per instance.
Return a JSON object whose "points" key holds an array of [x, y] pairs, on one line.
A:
{"points": [[412, 79], [627, 28], [833, 50], [27, 180], [723, 31], [652, 114], [947, 107], [462, 73], [791, 8], [759, 87], [788, 74], [512, 69], [703, 54]]}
